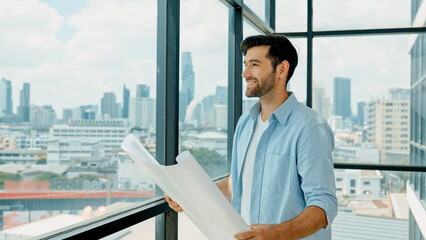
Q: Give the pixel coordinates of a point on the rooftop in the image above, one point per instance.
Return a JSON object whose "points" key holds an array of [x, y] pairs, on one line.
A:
{"points": [[351, 226]]}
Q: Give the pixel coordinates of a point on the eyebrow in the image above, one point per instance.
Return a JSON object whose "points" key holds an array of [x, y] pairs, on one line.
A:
{"points": [[252, 60]]}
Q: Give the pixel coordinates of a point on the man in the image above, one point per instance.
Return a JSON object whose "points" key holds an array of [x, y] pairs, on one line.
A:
{"points": [[282, 179]]}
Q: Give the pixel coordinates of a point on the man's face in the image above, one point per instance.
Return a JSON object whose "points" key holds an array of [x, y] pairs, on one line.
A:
{"points": [[259, 73]]}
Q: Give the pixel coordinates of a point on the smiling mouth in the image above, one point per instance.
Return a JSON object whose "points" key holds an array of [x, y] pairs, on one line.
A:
{"points": [[251, 83]]}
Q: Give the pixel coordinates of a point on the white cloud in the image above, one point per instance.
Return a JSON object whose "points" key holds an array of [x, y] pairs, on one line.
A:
{"points": [[205, 34], [336, 14], [115, 44], [27, 33]]}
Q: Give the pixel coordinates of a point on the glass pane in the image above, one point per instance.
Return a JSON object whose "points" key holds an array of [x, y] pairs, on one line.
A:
{"points": [[248, 30], [143, 230], [78, 76], [362, 87], [257, 6], [203, 98], [374, 207], [362, 14], [297, 83], [291, 16], [203, 94]]}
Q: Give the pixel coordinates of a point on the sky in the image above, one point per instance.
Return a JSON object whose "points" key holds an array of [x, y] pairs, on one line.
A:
{"points": [[71, 52]]}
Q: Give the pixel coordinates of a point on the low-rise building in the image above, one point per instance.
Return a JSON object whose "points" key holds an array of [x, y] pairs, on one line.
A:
{"points": [[60, 151], [110, 133], [22, 156], [358, 182]]}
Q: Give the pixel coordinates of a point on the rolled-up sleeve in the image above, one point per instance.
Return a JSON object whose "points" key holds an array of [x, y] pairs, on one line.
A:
{"points": [[316, 171]]}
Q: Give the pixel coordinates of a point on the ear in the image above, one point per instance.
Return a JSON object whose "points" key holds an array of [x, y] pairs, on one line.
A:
{"points": [[282, 69]]}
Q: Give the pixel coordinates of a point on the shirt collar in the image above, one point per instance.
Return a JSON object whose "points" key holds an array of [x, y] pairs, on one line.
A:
{"points": [[281, 113]]}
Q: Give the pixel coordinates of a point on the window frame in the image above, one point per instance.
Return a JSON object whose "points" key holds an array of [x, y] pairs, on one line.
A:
{"points": [[167, 106]]}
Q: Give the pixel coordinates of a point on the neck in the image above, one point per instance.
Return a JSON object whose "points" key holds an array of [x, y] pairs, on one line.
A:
{"points": [[270, 102]]}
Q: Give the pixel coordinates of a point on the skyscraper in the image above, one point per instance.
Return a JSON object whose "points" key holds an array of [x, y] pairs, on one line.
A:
{"points": [[187, 90], [221, 96], [89, 112], [126, 96], [6, 107], [342, 97], [109, 106], [399, 94], [321, 102], [24, 103], [142, 112], [360, 116], [142, 91]]}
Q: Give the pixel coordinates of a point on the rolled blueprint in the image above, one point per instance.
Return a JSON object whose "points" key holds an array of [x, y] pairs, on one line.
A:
{"points": [[190, 186]]}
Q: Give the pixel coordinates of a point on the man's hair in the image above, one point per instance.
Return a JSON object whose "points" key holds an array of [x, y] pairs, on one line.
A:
{"points": [[280, 49]]}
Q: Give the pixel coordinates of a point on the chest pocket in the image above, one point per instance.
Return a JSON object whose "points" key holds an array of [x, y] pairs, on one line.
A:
{"points": [[278, 172]]}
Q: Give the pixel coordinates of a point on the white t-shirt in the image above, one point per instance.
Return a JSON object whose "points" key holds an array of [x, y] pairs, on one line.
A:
{"points": [[247, 171]]}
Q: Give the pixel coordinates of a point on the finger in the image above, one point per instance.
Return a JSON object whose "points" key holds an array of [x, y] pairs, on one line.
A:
{"points": [[245, 235], [253, 226], [172, 204]]}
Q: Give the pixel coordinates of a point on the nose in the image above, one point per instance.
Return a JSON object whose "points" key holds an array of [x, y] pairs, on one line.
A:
{"points": [[246, 73]]}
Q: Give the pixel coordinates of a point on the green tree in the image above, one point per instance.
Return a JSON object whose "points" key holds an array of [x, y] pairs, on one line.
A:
{"points": [[210, 160], [41, 161], [8, 177], [49, 177], [84, 177]]}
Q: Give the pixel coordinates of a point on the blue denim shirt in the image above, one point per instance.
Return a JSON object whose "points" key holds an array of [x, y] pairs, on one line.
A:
{"points": [[293, 168]]}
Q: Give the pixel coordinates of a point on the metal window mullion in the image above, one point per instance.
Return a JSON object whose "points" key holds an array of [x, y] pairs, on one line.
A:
{"points": [[111, 224], [167, 125], [256, 20], [358, 32], [309, 56], [380, 167], [270, 7], [235, 69]]}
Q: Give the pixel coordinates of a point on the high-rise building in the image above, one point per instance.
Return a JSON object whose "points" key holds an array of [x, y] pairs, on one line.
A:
{"points": [[399, 94], [416, 190], [142, 112], [188, 81], [360, 116], [126, 96], [24, 103], [320, 101], [388, 125], [142, 91], [6, 104], [44, 115], [221, 96], [342, 97], [89, 112], [71, 113], [109, 106]]}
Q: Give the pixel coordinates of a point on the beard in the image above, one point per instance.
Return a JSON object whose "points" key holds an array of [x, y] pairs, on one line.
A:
{"points": [[262, 87]]}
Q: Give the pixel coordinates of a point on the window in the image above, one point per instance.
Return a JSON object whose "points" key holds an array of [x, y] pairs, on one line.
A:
{"points": [[89, 52], [203, 99], [353, 183], [366, 183], [339, 179], [323, 56]]}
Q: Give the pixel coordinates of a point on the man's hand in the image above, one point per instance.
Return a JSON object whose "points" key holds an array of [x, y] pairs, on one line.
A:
{"points": [[261, 232], [172, 204]]}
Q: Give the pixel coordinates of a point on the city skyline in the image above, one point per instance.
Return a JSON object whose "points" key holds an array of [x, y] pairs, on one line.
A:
{"points": [[74, 54]]}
